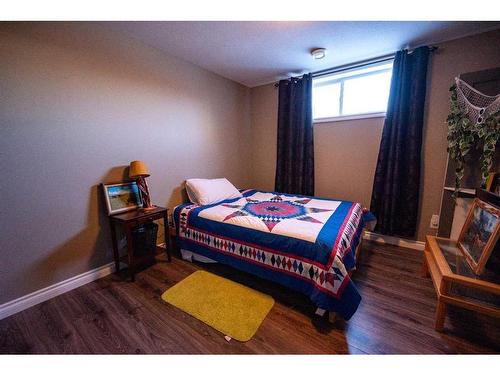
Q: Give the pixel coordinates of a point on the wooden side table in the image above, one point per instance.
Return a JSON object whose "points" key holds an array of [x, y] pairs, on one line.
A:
{"points": [[129, 220], [456, 284]]}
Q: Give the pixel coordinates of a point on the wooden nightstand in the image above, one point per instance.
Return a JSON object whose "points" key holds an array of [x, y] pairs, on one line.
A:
{"points": [[129, 220]]}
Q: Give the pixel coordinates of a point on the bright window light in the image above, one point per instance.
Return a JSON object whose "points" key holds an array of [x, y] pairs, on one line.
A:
{"points": [[357, 92], [326, 100]]}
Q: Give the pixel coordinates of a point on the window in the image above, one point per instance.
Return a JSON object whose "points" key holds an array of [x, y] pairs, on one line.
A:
{"points": [[357, 93]]}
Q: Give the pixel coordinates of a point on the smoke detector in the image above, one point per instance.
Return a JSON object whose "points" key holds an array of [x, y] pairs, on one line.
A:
{"points": [[318, 53]]}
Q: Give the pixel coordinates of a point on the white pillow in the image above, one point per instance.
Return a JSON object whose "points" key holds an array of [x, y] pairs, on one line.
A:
{"points": [[209, 191]]}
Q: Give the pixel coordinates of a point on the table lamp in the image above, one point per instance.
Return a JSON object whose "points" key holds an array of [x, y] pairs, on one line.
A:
{"points": [[138, 171]]}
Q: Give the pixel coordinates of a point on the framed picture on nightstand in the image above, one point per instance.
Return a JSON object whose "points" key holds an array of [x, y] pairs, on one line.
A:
{"points": [[122, 197]]}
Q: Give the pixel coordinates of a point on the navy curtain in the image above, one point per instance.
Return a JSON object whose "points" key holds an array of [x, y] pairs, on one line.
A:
{"points": [[396, 186], [295, 154]]}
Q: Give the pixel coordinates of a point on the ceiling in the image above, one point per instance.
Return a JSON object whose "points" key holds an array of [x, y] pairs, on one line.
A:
{"points": [[256, 53]]}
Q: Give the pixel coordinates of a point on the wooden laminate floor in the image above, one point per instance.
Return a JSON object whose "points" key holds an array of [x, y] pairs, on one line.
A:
{"points": [[115, 316]]}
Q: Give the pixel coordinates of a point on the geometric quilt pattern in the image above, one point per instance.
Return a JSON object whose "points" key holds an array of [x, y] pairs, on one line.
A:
{"points": [[330, 279], [275, 210]]}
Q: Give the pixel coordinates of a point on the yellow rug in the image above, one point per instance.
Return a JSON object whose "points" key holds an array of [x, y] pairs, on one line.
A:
{"points": [[229, 307]]}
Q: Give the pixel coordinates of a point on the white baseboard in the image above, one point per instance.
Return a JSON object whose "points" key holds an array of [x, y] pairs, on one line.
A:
{"points": [[375, 237], [32, 299]]}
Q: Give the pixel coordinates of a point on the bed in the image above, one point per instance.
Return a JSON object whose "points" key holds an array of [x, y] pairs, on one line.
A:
{"points": [[307, 244]]}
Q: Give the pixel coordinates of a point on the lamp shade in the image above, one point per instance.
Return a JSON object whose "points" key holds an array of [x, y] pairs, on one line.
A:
{"points": [[138, 169]]}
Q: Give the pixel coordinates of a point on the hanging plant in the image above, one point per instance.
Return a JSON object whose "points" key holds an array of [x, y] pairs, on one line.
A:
{"points": [[463, 134]]}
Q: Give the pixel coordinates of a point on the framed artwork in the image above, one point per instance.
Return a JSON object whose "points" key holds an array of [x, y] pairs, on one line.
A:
{"points": [[122, 197], [479, 234]]}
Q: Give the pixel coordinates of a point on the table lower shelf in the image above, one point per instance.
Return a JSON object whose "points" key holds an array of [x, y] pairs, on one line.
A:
{"points": [[444, 283], [138, 260]]}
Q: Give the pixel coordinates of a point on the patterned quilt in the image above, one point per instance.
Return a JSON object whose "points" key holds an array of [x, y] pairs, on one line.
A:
{"points": [[305, 243]]}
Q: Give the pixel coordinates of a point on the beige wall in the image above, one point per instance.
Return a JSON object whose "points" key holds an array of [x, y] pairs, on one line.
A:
{"points": [[346, 152], [345, 155], [263, 119], [76, 106]]}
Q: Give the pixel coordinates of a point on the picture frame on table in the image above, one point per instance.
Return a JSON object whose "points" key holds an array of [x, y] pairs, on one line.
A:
{"points": [[122, 197], [492, 181], [479, 234]]}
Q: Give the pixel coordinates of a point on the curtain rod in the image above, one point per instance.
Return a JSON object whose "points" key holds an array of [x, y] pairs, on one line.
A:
{"points": [[359, 64]]}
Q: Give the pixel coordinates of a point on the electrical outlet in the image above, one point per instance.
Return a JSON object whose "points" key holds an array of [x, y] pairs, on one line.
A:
{"points": [[434, 221]]}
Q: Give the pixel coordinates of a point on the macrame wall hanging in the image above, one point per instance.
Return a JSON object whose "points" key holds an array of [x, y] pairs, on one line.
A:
{"points": [[473, 121]]}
